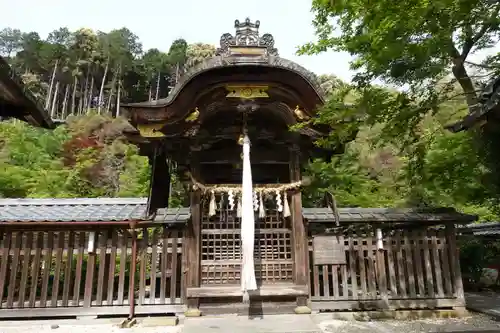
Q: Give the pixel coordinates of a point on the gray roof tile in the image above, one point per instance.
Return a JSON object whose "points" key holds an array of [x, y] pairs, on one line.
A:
{"points": [[127, 209], [82, 210], [482, 229], [385, 215]]}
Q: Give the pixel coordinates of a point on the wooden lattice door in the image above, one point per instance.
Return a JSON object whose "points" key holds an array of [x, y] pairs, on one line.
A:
{"points": [[221, 247]]}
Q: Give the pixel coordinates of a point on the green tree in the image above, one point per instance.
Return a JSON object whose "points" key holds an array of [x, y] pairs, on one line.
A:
{"points": [[198, 52], [10, 41], [420, 45], [87, 158], [413, 43]]}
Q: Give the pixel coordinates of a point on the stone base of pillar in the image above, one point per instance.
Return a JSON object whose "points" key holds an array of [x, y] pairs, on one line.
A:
{"points": [[302, 310]]}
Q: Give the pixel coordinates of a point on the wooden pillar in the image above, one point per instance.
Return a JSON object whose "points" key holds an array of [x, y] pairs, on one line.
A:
{"points": [[159, 181], [456, 277], [380, 264], [299, 231], [191, 249]]}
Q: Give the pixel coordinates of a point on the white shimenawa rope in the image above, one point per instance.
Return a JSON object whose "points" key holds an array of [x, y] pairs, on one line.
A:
{"points": [[247, 225]]}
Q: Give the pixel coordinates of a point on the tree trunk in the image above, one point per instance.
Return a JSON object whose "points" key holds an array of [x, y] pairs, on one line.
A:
{"points": [[177, 73], [157, 86], [110, 97], [86, 90], [65, 102], [54, 101], [80, 106], [112, 91], [91, 90], [101, 91], [118, 95], [49, 95], [73, 96], [466, 83]]}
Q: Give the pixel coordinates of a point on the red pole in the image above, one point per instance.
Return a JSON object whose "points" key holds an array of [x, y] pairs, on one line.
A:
{"points": [[131, 295]]}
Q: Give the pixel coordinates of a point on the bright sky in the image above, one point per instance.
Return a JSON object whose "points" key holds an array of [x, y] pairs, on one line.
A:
{"points": [[159, 22]]}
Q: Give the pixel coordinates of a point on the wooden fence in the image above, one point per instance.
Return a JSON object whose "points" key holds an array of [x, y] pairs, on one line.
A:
{"points": [[415, 269], [53, 273]]}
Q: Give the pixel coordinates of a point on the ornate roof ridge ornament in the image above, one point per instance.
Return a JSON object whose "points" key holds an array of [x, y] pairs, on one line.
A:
{"points": [[246, 36]]}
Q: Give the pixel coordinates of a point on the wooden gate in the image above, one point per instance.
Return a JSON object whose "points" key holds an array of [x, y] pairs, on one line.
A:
{"points": [[221, 248]]}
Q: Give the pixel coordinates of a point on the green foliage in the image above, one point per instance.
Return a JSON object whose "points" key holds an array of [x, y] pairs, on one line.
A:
{"points": [[423, 47], [422, 165], [405, 42], [88, 158], [89, 66], [476, 254], [401, 155]]}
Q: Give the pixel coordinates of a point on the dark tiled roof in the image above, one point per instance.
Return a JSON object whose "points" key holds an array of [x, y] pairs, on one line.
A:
{"points": [[482, 229], [84, 210], [489, 100], [14, 94], [386, 215], [128, 209]]}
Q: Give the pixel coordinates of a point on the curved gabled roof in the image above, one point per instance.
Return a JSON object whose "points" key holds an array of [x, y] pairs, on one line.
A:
{"points": [[245, 57], [218, 62]]}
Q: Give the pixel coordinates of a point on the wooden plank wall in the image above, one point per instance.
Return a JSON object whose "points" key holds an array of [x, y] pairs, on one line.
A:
{"points": [[53, 269], [415, 269]]}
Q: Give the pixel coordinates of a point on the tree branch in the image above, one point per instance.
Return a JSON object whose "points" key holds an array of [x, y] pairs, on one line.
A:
{"points": [[470, 42], [481, 65]]}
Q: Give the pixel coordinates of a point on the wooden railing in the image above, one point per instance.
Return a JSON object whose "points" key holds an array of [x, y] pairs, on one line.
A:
{"points": [[53, 270], [415, 269]]}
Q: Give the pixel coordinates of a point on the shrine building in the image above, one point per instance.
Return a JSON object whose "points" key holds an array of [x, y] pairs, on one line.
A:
{"points": [[243, 243]]}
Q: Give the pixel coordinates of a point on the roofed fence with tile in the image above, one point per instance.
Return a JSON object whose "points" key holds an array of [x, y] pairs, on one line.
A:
{"points": [[71, 265], [135, 209]]}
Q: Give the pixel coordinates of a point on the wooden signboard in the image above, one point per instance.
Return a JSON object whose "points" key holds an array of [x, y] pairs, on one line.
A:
{"points": [[329, 250]]}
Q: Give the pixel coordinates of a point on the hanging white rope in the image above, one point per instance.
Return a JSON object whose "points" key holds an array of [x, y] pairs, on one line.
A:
{"points": [[247, 225], [267, 189]]}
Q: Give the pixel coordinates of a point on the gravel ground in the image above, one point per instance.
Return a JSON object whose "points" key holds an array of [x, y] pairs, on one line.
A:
{"points": [[476, 323], [78, 326]]}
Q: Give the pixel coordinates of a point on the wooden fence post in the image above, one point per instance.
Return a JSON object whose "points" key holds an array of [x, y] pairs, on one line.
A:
{"points": [[456, 272]]}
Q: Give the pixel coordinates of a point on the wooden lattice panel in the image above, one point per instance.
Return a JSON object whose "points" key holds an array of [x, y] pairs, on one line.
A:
{"points": [[221, 248]]}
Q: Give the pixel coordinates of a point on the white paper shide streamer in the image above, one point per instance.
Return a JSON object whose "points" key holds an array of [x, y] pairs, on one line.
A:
{"points": [[91, 242], [248, 282], [212, 206], [286, 208], [279, 203], [380, 239], [262, 211]]}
